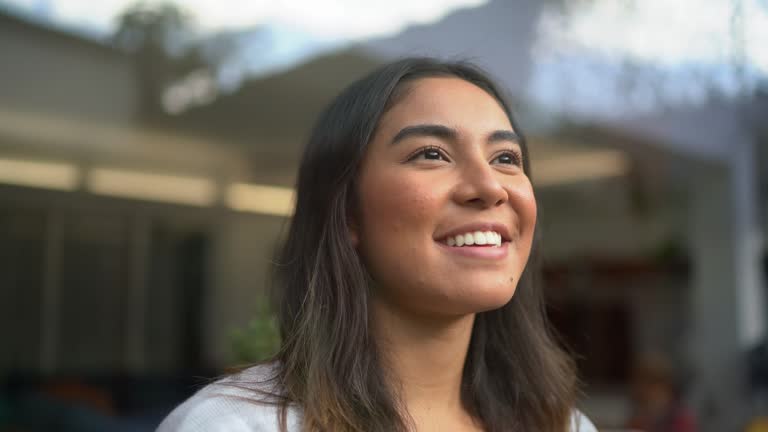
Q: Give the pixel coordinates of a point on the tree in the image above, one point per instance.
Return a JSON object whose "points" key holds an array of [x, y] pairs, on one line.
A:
{"points": [[161, 39]]}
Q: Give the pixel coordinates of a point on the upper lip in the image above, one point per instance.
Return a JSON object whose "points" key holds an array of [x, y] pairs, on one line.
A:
{"points": [[477, 226]]}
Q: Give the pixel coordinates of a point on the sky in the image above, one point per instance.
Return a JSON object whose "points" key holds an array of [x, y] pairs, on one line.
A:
{"points": [[666, 32], [646, 53], [339, 19], [292, 30], [660, 31], [581, 46]]}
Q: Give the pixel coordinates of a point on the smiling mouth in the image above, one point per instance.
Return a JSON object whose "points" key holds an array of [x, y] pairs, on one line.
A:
{"points": [[475, 239]]}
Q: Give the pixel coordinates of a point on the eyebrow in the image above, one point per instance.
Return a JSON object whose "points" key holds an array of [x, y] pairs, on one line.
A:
{"points": [[444, 132], [425, 130], [504, 135]]}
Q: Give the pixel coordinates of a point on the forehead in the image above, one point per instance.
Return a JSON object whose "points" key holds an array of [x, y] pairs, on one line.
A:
{"points": [[450, 101]]}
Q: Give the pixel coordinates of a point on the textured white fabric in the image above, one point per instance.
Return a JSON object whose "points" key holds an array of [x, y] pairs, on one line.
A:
{"points": [[223, 408]]}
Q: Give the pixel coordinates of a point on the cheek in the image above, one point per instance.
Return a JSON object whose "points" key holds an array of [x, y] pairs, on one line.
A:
{"points": [[396, 203], [398, 211], [530, 214], [524, 202]]}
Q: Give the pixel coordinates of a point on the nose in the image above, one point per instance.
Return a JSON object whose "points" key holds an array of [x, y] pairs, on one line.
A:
{"points": [[479, 186]]}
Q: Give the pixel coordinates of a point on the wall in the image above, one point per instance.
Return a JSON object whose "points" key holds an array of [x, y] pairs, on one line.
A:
{"points": [[57, 73]]}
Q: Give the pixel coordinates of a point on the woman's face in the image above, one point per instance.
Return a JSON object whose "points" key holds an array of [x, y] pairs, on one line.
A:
{"points": [[446, 214]]}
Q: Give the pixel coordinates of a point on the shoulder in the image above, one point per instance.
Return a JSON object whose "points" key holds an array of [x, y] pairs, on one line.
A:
{"points": [[580, 423], [231, 404]]}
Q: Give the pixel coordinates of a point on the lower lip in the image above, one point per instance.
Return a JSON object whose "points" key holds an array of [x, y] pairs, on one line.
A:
{"points": [[482, 252]]}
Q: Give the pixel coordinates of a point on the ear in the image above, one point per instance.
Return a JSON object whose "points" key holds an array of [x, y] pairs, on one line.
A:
{"points": [[354, 231], [352, 221]]}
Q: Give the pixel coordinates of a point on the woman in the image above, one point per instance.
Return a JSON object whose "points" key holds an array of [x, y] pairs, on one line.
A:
{"points": [[414, 227]]}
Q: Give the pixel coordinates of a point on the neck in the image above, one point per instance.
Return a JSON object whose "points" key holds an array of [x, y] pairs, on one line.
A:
{"points": [[425, 358]]}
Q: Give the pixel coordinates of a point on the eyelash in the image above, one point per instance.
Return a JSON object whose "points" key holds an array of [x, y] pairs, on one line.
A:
{"points": [[424, 150], [514, 155], [517, 158]]}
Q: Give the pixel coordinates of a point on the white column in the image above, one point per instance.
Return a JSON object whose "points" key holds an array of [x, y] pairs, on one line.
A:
{"points": [[748, 238], [726, 298]]}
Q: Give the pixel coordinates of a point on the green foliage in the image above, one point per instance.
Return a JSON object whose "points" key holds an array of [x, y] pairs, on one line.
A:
{"points": [[162, 28], [258, 340], [161, 38]]}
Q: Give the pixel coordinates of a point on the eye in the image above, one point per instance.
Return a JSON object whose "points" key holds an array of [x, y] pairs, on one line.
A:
{"points": [[508, 158], [428, 153]]}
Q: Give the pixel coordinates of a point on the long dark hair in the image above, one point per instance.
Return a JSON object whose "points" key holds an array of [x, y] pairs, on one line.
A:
{"points": [[516, 378]]}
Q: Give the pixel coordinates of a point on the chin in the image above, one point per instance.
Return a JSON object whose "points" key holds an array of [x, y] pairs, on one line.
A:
{"points": [[479, 299], [493, 302]]}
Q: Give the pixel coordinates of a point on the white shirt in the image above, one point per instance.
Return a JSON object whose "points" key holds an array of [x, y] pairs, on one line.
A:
{"points": [[225, 408]]}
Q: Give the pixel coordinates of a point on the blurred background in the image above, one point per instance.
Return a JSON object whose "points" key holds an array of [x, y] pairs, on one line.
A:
{"points": [[148, 153]]}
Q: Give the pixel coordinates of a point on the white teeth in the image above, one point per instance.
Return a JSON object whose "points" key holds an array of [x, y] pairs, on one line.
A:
{"points": [[475, 238], [479, 238], [495, 238]]}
